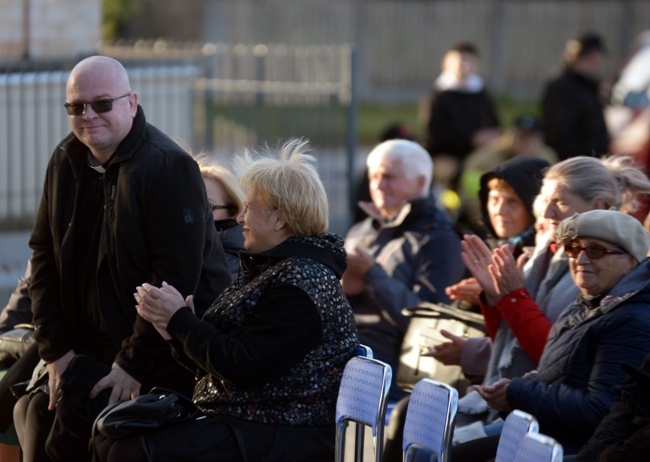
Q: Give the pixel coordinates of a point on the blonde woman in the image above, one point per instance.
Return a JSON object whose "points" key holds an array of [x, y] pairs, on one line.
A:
{"points": [[270, 351]]}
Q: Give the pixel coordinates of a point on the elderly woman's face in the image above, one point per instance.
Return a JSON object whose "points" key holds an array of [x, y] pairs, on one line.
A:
{"points": [[594, 276], [507, 212], [561, 203], [263, 229]]}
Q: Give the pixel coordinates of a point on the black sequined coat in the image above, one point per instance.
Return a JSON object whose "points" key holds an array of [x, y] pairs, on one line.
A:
{"points": [[272, 347]]}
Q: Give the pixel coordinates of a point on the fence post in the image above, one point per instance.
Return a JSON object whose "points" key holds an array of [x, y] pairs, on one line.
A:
{"points": [[352, 130]]}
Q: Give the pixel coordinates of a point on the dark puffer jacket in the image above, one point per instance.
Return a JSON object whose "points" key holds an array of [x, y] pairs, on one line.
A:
{"points": [[417, 255], [576, 382], [624, 435]]}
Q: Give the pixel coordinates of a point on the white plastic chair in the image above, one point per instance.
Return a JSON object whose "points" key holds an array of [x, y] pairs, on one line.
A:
{"points": [[430, 419], [362, 399], [535, 447], [517, 424]]}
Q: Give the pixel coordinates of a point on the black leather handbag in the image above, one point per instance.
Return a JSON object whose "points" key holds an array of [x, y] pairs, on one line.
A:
{"points": [[159, 408]]}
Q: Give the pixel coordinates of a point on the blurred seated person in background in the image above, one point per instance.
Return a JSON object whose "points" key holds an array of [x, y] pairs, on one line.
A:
{"points": [[572, 107], [526, 138], [460, 114], [404, 253], [270, 351], [14, 369], [19, 307], [520, 306], [226, 200], [506, 197], [608, 324]]}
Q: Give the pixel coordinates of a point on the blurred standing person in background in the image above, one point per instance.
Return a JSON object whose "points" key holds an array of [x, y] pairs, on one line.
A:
{"points": [[461, 115], [574, 122]]}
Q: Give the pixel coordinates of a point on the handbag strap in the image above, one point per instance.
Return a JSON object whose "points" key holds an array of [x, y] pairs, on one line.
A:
{"points": [[440, 311]]}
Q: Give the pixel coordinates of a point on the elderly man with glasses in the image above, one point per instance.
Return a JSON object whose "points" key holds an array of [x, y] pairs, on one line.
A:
{"points": [[122, 204]]}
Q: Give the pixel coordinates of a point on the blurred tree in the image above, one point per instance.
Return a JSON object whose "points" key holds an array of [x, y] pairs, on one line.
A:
{"points": [[116, 14]]}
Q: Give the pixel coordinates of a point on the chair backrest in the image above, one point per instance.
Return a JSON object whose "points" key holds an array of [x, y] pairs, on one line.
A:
{"points": [[517, 424], [362, 399], [366, 352], [535, 447], [363, 350], [430, 419]]}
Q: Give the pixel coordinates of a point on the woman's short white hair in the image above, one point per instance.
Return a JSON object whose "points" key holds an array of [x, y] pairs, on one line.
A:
{"points": [[414, 159], [287, 180]]}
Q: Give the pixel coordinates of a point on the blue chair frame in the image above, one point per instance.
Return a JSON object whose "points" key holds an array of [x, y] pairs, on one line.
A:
{"points": [[363, 350]]}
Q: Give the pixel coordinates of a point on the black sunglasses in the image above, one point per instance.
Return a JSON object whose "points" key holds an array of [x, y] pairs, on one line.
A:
{"points": [[100, 106], [593, 251], [220, 207]]}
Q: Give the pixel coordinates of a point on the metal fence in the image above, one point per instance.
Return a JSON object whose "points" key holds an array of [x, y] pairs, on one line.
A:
{"points": [[263, 94], [219, 99], [32, 121], [401, 42]]}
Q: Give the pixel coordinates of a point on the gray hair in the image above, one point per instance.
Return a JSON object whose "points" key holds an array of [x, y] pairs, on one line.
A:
{"points": [[614, 179], [414, 159]]}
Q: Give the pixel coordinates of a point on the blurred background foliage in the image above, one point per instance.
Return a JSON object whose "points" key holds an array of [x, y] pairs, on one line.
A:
{"points": [[116, 14]]}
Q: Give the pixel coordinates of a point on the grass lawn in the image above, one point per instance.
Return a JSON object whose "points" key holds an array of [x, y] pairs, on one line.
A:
{"points": [[323, 124], [373, 118]]}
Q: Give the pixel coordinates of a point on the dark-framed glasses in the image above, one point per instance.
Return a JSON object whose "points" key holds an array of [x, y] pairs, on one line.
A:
{"points": [[100, 106], [214, 207], [593, 251]]}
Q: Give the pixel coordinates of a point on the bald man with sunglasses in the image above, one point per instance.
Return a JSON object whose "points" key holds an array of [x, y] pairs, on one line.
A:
{"points": [[122, 204]]}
